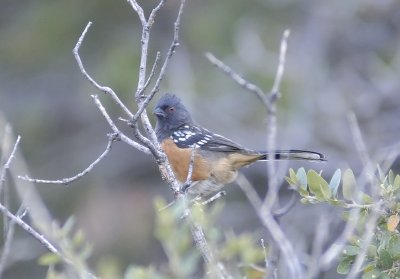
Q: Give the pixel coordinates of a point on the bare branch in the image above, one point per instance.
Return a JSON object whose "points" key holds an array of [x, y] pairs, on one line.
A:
{"points": [[214, 198], [123, 137], [218, 269], [237, 78], [153, 13], [171, 50], [39, 237], [249, 191], [321, 235], [265, 253], [8, 226], [143, 102], [153, 70], [370, 227], [9, 237], [138, 9], [287, 207], [111, 138], [17, 220], [189, 181], [273, 227], [7, 164], [281, 65], [273, 184], [105, 89]]}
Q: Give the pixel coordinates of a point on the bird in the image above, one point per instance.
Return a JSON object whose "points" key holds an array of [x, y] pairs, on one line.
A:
{"points": [[216, 159]]}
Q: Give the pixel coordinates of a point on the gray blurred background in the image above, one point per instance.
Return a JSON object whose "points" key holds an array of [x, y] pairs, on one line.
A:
{"points": [[343, 56]]}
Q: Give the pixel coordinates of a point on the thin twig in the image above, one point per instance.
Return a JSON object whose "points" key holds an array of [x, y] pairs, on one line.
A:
{"points": [[273, 185], [39, 237], [111, 138], [321, 236], [9, 237], [189, 181], [143, 102], [202, 245], [153, 70], [265, 255], [273, 227], [105, 89], [287, 207], [237, 78], [214, 198], [138, 9], [153, 13], [362, 149], [281, 64], [8, 226], [17, 220], [5, 147], [7, 164], [115, 129], [171, 50], [370, 227]]}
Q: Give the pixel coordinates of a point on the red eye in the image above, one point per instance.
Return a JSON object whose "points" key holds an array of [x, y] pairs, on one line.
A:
{"points": [[171, 109]]}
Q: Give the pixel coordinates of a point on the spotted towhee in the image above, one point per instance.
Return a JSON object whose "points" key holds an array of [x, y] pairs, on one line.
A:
{"points": [[216, 158]]}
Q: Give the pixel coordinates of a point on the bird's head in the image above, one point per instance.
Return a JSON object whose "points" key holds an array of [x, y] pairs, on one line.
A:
{"points": [[171, 113]]}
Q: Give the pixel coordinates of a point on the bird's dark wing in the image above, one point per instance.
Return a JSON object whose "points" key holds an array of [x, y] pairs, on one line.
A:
{"points": [[189, 136]]}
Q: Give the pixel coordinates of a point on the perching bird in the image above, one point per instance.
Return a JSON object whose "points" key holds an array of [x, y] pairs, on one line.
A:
{"points": [[216, 159]]}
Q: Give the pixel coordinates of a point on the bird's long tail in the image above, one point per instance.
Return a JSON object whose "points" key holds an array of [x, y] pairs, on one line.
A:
{"points": [[293, 154]]}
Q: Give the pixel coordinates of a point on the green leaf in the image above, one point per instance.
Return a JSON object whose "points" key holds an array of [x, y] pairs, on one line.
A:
{"points": [[337, 202], [289, 181], [367, 199], [394, 246], [396, 183], [68, 225], [49, 259], [335, 181], [350, 250], [391, 177], [349, 184], [303, 192], [380, 173], [78, 238], [345, 265], [292, 176], [374, 274], [372, 251], [326, 191], [86, 252], [385, 261], [137, 272], [318, 186], [302, 178], [305, 201]]}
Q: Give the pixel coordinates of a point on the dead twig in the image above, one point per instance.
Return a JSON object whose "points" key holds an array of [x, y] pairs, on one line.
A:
{"points": [[264, 208], [111, 138], [105, 89]]}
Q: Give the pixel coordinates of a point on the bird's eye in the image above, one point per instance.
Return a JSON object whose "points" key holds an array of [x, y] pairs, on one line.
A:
{"points": [[171, 109]]}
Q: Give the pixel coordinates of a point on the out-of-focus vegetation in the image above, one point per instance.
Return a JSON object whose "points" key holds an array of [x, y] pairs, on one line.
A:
{"points": [[342, 57], [378, 249]]}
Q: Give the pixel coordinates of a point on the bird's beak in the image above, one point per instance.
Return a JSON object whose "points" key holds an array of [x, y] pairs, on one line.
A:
{"points": [[159, 112]]}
